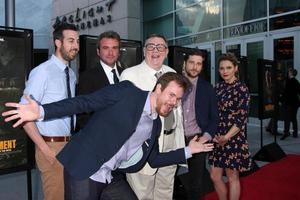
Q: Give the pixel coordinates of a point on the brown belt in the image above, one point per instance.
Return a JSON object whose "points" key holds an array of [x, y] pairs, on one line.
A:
{"points": [[57, 138]]}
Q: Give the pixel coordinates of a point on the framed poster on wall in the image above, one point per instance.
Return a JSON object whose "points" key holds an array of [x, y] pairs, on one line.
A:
{"points": [[16, 149], [266, 70]]}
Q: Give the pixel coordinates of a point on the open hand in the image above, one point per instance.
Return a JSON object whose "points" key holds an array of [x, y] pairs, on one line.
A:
{"points": [[50, 155], [197, 146], [23, 112]]}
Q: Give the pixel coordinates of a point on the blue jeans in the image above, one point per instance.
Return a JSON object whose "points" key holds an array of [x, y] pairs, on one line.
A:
{"points": [[88, 189]]}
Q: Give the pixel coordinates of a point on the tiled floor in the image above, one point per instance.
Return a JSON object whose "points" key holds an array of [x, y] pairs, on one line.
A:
{"points": [[13, 186]]}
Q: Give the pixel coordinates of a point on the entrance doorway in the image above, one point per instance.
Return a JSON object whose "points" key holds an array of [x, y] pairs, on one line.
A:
{"points": [[251, 50]]}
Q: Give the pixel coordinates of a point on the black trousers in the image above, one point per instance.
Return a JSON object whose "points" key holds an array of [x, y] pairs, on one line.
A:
{"points": [[197, 182], [88, 189], [290, 116]]}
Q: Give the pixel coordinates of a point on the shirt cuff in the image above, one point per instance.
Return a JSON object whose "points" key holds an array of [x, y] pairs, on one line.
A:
{"points": [[42, 114], [187, 152], [207, 136]]}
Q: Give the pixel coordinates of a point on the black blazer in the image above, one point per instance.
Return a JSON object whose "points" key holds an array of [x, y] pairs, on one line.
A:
{"points": [[93, 79], [90, 81], [118, 109], [206, 107]]}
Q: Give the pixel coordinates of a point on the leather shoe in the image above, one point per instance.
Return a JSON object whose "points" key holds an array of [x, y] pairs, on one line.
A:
{"points": [[285, 135]]}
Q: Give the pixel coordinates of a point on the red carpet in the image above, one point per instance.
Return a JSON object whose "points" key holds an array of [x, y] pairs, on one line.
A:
{"points": [[275, 181]]}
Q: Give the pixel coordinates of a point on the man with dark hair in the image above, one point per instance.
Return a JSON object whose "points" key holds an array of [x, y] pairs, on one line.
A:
{"points": [[105, 72], [107, 147], [52, 81], [59, 29], [156, 183], [200, 117]]}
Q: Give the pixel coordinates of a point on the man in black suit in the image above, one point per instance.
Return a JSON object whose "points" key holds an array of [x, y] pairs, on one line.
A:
{"points": [[105, 72], [200, 117], [121, 136]]}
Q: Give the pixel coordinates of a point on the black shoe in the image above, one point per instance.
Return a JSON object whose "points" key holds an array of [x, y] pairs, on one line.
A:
{"points": [[285, 135], [295, 136]]}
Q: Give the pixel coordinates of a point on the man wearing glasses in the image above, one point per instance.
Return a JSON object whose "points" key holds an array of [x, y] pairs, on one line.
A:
{"points": [[150, 183]]}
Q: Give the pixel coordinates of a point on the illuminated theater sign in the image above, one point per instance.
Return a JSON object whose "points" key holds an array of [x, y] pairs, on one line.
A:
{"points": [[95, 16]]}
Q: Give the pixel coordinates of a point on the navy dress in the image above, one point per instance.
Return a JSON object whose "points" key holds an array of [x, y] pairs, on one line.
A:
{"points": [[233, 105]]}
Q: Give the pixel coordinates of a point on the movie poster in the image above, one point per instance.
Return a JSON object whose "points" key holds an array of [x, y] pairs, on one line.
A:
{"points": [[266, 88], [13, 141]]}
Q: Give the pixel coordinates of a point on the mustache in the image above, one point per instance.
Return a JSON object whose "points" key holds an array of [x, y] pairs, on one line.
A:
{"points": [[76, 50]]}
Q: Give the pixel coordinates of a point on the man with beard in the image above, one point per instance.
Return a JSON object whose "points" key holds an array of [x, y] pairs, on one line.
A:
{"points": [[104, 73], [106, 147], [52, 81], [200, 118], [156, 183]]}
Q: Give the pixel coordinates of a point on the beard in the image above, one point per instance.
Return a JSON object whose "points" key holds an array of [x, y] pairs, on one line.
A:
{"points": [[68, 55], [163, 109], [192, 73]]}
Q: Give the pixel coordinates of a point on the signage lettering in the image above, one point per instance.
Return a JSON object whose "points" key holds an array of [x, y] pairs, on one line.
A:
{"points": [[245, 29], [7, 145], [88, 18]]}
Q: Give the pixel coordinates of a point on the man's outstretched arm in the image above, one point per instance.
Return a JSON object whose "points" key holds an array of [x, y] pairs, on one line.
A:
{"points": [[100, 99], [178, 156]]}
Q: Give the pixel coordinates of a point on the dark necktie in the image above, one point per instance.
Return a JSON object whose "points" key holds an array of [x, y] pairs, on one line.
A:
{"points": [[158, 74], [69, 96], [116, 79]]}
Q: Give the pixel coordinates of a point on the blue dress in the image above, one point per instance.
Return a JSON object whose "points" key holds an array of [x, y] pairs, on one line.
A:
{"points": [[233, 105]]}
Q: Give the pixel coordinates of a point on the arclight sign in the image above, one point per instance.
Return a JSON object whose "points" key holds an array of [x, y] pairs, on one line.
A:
{"points": [[95, 16]]}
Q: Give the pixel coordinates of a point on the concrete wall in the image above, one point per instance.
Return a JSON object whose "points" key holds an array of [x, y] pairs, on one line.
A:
{"points": [[125, 15]]}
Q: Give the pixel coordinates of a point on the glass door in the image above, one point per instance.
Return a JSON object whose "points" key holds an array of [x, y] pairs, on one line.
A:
{"points": [[234, 48], [248, 51], [284, 53], [254, 50]]}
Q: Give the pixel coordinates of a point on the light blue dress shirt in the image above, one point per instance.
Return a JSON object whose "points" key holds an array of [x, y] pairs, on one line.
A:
{"points": [[130, 153], [47, 83], [131, 146]]}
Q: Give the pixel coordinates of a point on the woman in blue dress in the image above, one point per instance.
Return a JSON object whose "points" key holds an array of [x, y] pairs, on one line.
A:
{"points": [[231, 152]]}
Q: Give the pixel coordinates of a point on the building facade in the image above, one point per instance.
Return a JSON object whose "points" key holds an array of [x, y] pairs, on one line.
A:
{"points": [[253, 29], [96, 16], [268, 29]]}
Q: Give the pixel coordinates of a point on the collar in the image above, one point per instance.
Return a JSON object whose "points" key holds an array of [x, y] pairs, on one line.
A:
{"points": [[151, 70], [107, 68], [194, 82], [147, 108], [61, 65]]}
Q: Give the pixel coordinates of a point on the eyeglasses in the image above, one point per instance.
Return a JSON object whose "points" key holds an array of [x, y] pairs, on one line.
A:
{"points": [[158, 47]]}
